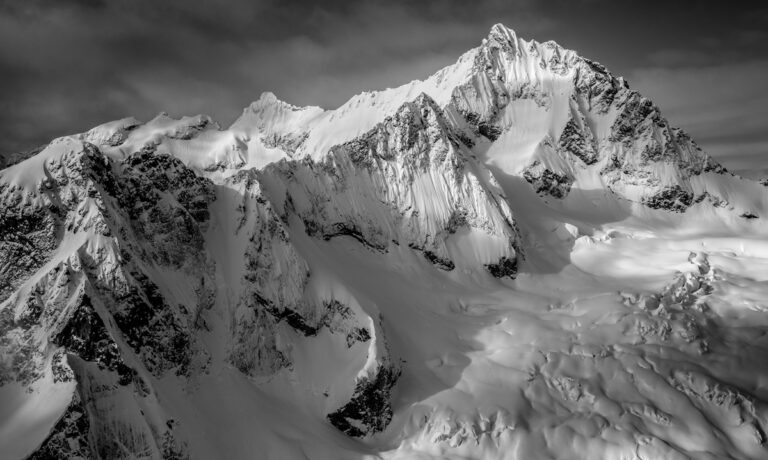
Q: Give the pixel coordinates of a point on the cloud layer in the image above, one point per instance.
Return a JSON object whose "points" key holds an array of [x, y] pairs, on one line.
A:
{"points": [[69, 65]]}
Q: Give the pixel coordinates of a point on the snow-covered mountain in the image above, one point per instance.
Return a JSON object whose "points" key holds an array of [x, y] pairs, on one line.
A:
{"points": [[518, 257]]}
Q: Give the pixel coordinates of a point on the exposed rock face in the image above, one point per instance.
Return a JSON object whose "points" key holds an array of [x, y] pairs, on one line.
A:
{"points": [[651, 155], [504, 268], [370, 409], [406, 181], [86, 337], [576, 139], [548, 182], [673, 198], [648, 159], [273, 281]]}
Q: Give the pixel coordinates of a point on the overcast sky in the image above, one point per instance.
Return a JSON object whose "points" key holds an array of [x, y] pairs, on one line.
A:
{"points": [[68, 65]]}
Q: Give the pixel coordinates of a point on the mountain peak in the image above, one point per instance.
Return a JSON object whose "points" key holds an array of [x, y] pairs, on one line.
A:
{"points": [[268, 100], [499, 30], [268, 97], [503, 35]]}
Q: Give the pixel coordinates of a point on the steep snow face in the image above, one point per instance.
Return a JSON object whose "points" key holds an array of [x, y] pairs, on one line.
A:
{"points": [[517, 257], [407, 181]]}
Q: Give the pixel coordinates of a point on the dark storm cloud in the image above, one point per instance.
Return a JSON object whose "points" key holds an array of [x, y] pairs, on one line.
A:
{"points": [[69, 65]]}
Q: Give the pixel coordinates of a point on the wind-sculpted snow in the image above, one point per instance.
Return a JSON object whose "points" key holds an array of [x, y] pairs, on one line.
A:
{"points": [[350, 283]]}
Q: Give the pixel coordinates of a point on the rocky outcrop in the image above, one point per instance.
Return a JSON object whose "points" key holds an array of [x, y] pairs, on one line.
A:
{"points": [[370, 409], [69, 437], [504, 268], [273, 283], [650, 160], [546, 181], [673, 198], [576, 140]]}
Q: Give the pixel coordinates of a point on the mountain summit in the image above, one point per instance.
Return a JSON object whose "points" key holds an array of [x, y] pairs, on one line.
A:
{"points": [[517, 257]]}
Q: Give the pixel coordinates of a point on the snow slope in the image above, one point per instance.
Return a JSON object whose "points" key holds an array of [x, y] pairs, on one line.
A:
{"points": [[515, 258]]}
